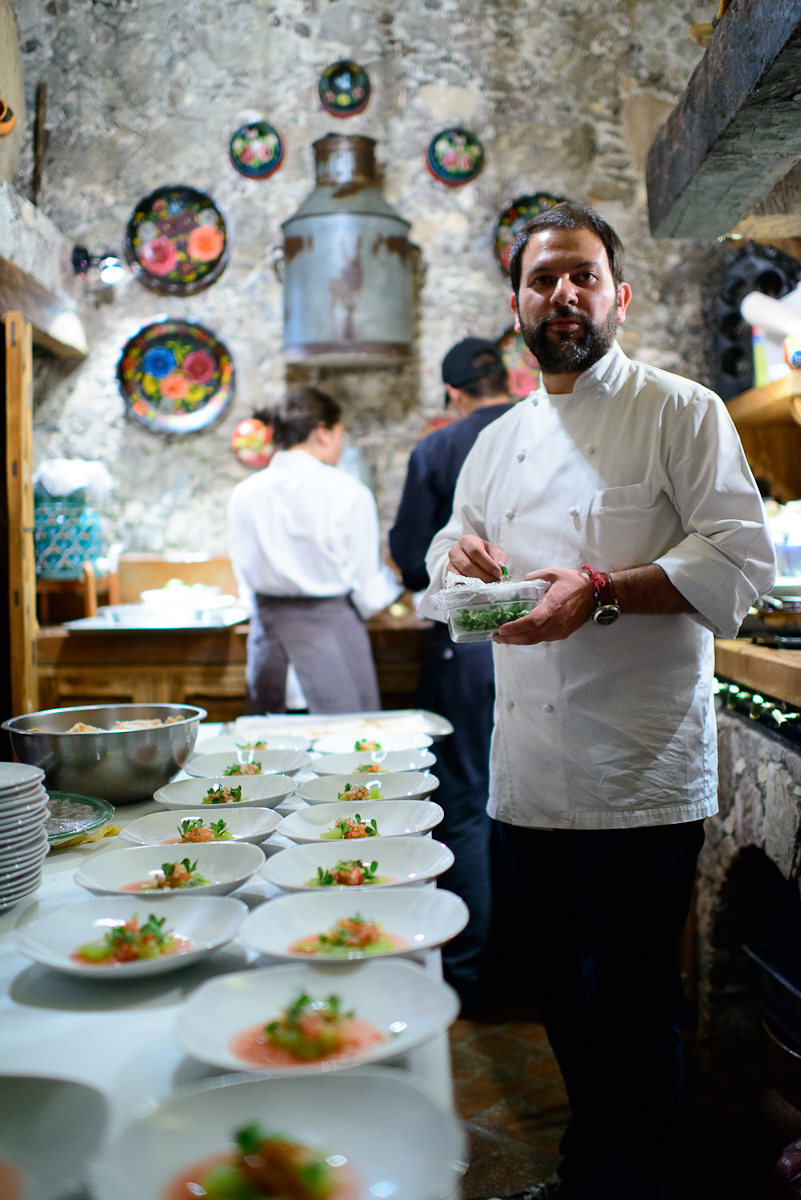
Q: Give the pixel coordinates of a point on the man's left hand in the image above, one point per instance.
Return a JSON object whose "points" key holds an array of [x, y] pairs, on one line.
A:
{"points": [[563, 609]]}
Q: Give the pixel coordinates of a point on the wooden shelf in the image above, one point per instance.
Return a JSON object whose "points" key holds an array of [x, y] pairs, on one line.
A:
{"points": [[777, 401], [772, 672]]}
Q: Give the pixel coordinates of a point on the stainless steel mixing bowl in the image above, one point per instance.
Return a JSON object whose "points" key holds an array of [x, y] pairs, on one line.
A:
{"points": [[121, 766]]}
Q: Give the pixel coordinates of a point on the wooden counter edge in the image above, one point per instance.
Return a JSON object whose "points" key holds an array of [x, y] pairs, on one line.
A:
{"points": [[775, 673]]}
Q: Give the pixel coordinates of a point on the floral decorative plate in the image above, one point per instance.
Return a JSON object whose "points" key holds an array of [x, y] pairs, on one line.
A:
{"points": [[252, 442], [344, 88], [257, 150], [455, 157], [175, 376], [513, 218], [176, 241], [524, 375]]}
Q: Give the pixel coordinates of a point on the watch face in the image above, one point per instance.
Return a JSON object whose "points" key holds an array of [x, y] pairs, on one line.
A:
{"points": [[606, 614]]}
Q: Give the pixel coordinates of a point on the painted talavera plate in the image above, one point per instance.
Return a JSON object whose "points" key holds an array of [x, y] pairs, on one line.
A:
{"points": [[252, 443], [523, 368], [344, 89], [256, 149], [176, 376], [455, 157], [513, 218], [176, 241]]}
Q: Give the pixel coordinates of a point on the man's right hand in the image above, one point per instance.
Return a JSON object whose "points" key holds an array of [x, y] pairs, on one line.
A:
{"points": [[479, 559]]}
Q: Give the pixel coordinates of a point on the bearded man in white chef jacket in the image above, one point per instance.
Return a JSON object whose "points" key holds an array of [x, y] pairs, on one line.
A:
{"points": [[626, 488]]}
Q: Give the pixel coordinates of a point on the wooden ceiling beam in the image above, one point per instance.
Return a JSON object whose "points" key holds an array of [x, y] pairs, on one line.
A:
{"points": [[737, 129]]}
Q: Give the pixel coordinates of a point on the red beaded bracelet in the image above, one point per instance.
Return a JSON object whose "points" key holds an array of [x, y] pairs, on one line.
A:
{"points": [[600, 585]]}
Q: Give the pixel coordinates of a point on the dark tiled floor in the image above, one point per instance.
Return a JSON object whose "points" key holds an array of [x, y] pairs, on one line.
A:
{"points": [[510, 1095]]}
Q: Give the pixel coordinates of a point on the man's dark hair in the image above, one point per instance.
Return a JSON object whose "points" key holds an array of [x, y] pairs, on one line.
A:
{"points": [[494, 383], [568, 215], [301, 411]]}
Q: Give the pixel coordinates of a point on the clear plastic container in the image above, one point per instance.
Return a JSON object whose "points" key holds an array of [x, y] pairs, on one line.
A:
{"points": [[476, 612]]}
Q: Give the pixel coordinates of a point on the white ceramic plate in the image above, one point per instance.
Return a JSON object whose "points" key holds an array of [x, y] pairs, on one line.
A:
{"points": [[372, 1117], [405, 860], [393, 761], [227, 744], [273, 762], [258, 791], [421, 917], [394, 818], [227, 864], [18, 775], [400, 785], [398, 998], [208, 922], [343, 743], [244, 824], [48, 1129]]}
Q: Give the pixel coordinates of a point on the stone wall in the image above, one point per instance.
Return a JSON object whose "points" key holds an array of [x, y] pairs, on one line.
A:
{"points": [[565, 96], [748, 880]]}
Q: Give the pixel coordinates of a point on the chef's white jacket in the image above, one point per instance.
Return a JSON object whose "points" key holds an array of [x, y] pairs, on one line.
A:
{"points": [[614, 726], [302, 528]]}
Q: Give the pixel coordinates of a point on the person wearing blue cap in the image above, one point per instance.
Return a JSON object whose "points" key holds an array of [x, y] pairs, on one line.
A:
{"points": [[457, 681]]}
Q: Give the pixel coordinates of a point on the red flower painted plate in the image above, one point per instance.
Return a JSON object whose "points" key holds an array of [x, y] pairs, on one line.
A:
{"points": [[455, 157], [257, 150], [523, 368], [175, 376], [176, 241], [252, 442], [513, 218]]}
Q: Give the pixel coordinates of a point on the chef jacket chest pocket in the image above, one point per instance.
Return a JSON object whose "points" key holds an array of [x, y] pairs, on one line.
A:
{"points": [[623, 523]]}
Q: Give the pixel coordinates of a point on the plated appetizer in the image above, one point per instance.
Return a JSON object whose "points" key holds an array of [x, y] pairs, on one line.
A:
{"points": [[195, 829], [238, 768], [371, 769], [349, 936], [131, 942], [306, 1031], [349, 873], [351, 827], [266, 1164], [174, 875], [223, 794], [362, 744], [260, 744], [358, 792]]}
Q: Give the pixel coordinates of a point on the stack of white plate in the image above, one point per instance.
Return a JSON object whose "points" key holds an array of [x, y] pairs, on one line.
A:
{"points": [[23, 840]]}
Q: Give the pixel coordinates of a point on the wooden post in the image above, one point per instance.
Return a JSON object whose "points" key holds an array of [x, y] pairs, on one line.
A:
{"points": [[19, 483]]}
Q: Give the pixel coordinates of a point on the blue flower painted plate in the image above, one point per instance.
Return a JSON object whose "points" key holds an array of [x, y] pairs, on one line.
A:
{"points": [[344, 89]]}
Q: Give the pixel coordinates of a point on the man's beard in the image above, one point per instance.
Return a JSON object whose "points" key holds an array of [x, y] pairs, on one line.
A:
{"points": [[569, 352]]}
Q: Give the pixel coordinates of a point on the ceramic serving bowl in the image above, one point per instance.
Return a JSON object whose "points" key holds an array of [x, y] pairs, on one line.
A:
{"points": [[402, 862], [207, 922], [404, 1004], [161, 828], [418, 918], [344, 743], [272, 762], [400, 785], [228, 744], [120, 766], [391, 761], [49, 1128], [258, 791], [393, 818], [227, 864], [368, 1117]]}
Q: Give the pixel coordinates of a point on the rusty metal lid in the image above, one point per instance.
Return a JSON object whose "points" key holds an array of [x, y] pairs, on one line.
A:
{"points": [[346, 181]]}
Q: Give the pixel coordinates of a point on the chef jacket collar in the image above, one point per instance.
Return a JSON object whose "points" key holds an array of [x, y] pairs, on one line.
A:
{"points": [[605, 374]]}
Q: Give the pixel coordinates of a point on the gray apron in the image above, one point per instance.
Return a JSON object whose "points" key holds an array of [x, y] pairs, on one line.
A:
{"points": [[325, 640]]}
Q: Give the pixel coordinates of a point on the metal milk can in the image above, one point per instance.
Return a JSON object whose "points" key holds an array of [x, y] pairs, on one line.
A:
{"points": [[348, 267]]}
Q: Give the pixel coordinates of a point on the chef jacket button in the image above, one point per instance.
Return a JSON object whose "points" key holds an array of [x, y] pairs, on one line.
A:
{"points": [[573, 511], [447, 653], [521, 456], [590, 449], [510, 705], [547, 708], [510, 514]]}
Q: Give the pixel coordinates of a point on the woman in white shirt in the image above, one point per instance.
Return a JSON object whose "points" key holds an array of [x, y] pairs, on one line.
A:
{"points": [[304, 543]]}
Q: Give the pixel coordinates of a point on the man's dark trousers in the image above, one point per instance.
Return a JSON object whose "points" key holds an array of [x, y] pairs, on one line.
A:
{"points": [[597, 914]]}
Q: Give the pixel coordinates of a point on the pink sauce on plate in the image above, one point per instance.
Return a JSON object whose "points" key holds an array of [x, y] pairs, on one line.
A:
{"points": [[186, 1184], [398, 943], [252, 1047], [143, 883]]}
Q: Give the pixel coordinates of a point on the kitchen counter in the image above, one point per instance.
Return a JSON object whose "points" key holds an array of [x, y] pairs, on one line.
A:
{"points": [[774, 673]]}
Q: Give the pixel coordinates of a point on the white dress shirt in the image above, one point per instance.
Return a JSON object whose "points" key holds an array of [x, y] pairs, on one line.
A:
{"points": [[615, 725], [302, 528]]}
